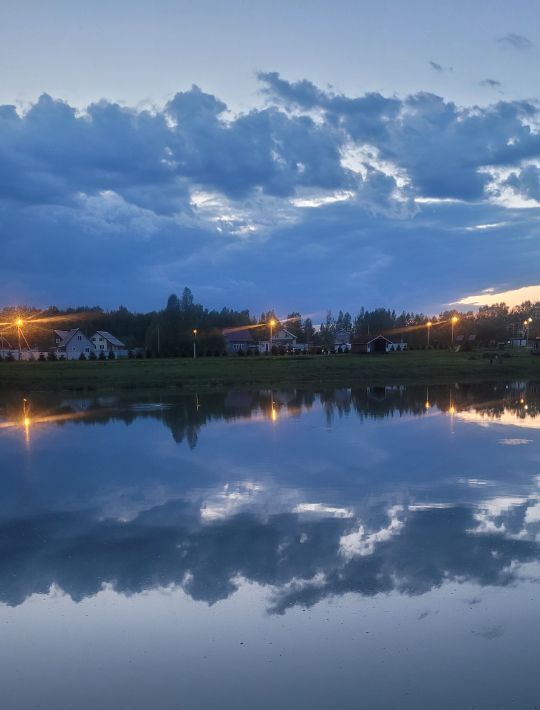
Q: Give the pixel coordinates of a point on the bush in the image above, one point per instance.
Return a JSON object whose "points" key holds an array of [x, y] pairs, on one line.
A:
{"points": [[112, 356], [92, 356], [130, 354], [82, 356], [51, 357], [9, 357], [101, 356]]}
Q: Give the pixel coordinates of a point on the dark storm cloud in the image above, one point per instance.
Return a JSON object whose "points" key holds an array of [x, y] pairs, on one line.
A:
{"points": [[443, 147], [112, 189]]}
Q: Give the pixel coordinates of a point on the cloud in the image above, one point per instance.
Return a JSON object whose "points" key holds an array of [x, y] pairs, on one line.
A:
{"points": [[163, 191], [490, 83], [439, 67], [296, 556], [515, 41], [512, 297]]}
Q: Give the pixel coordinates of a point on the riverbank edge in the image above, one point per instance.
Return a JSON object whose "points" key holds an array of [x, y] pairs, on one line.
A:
{"points": [[417, 367]]}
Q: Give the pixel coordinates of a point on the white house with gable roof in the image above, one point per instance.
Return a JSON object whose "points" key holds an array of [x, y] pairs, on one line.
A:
{"points": [[71, 344], [104, 342]]}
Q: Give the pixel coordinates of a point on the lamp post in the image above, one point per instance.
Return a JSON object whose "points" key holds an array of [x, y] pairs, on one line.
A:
{"points": [[428, 324], [454, 320], [526, 326], [195, 331], [272, 324], [19, 323]]}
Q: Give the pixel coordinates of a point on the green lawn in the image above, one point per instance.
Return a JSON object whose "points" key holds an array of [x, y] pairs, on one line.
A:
{"points": [[339, 370]]}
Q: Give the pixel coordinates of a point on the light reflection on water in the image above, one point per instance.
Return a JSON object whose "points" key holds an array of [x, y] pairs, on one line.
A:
{"points": [[255, 549]]}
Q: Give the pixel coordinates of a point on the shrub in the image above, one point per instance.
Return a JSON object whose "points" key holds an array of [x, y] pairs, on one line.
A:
{"points": [[92, 356], [112, 356], [82, 356], [51, 357], [101, 356]]}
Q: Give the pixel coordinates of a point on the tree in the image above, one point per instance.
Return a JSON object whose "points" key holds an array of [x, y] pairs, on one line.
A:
{"points": [[309, 330]]}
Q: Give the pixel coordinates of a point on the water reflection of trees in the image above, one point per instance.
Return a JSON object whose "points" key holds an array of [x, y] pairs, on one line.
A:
{"points": [[186, 415], [298, 557]]}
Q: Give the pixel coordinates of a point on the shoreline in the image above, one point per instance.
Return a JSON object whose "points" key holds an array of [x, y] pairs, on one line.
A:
{"points": [[414, 367]]}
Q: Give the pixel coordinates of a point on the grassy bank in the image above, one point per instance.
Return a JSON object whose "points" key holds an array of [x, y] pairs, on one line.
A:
{"points": [[340, 370]]}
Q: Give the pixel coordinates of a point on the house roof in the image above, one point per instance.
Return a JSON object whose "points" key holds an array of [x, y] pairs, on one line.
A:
{"points": [[283, 333], [238, 336], [111, 338], [66, 336], [366, 341]]}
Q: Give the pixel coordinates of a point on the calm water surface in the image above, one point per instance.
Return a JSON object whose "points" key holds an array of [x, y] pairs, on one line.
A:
{"points": [[359, 548]]}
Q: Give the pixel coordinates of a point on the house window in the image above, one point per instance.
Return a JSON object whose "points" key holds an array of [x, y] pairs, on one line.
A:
{"points": [[79, 337]]}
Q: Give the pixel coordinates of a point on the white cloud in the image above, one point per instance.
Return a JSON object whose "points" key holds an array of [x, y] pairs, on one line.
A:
{"points": [[512, 297]]}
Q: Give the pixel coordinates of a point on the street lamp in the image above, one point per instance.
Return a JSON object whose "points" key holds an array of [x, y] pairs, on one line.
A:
{"points": [[428, 324], [453, 320], [526, 326], [19, 323], [195, 331], [271, 324]]}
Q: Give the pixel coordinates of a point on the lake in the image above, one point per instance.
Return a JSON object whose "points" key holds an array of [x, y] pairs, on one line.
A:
{"points": [[373, 547]]}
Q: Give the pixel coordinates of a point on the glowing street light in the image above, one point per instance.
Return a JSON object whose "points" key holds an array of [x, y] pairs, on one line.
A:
{"points": [[428, 324], [195, 331], [453, 320]]}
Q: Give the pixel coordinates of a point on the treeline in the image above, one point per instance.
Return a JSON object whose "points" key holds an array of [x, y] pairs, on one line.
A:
{"points": [[167, 332], [170, 331]]}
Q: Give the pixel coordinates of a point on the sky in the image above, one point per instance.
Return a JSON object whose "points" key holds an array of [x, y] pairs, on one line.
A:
{"points": [[287, 155]]}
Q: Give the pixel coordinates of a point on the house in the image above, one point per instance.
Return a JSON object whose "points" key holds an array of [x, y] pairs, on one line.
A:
{"points": [[283, 340], [377, 344], [71, 344], [104, 342], [239, 340]]}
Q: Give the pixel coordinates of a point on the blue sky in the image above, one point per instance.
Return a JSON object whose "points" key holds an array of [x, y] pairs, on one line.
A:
{"points": [[289, 155]]}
